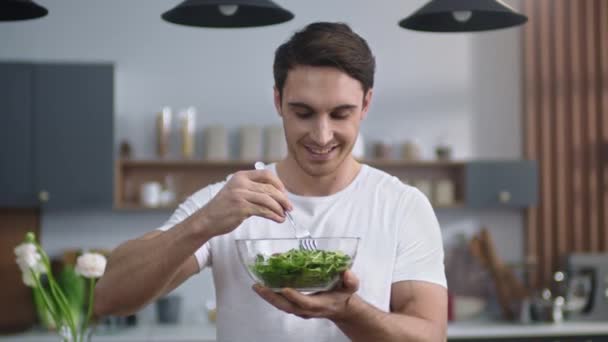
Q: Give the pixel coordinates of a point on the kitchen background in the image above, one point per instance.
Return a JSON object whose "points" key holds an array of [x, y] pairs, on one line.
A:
{"points": [[455, 88], [459, 89]]}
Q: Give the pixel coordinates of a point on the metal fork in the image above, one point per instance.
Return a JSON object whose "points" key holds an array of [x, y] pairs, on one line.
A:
{"points": [[305, 240]]}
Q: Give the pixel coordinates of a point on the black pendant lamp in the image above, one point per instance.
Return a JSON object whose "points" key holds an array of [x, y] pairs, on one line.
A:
{"points": [[227, 13], [12, 10], [462, 16]]}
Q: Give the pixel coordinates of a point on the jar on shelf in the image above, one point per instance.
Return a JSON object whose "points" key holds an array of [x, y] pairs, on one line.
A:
{"points": [[382, 150], [425, 186], [250, 137], [444, 192], [216, 142], [275, 143], [411, 151]]}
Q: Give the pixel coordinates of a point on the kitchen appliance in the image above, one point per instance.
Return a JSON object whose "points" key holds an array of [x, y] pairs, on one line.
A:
{"points": [[587, 293]]}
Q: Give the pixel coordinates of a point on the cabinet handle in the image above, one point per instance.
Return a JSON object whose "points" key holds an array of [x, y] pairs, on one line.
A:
{"points": [[504, 196], [44, 196]]}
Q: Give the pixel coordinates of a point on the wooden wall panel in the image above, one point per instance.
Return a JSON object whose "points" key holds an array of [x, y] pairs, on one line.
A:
{"points": [[566, 129], [17, 312], [530, 128], [602, 44]]}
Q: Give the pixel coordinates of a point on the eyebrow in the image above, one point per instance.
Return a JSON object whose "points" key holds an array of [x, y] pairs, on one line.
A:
{"points": [[307, 107]]}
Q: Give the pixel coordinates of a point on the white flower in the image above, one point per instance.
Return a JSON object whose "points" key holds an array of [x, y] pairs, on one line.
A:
{"points": [[28, 258], [91, 265], [28, 278]]}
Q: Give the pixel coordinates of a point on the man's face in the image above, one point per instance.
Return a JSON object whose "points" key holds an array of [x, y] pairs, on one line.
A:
{"points": [[321, 108]]}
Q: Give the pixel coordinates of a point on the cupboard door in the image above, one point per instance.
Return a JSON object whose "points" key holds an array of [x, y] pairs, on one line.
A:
{"points": [[73, 134], [16, 171], [496, 184]]}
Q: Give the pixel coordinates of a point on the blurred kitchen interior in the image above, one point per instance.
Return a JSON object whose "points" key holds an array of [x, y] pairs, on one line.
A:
{"points": [[511, 125]]}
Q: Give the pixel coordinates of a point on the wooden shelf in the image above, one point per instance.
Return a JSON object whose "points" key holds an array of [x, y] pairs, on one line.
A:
{"points": [[139, 207], [249, 164], [133, 206], [188, 176]]}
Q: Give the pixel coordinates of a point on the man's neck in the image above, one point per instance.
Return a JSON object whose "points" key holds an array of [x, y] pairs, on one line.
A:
{"points": [[299, 182]]}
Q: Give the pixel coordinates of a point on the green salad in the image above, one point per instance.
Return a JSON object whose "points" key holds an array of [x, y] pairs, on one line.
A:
{"points": [[299, 268]]}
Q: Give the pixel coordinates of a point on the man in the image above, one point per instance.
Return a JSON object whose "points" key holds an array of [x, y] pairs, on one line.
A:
{"points": [[396, 290]]}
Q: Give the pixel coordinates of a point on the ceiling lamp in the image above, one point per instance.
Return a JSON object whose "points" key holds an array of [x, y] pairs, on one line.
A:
{"points": [[462, 16], [227, 13], [11, 10]]}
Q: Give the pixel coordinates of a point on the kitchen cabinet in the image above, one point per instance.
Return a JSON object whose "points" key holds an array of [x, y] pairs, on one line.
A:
{"points": [[57, 144], [16, 136], [496, 184]]}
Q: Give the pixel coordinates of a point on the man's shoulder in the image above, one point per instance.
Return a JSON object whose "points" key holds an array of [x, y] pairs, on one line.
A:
{"points": [[380, 179], [391, 187]]}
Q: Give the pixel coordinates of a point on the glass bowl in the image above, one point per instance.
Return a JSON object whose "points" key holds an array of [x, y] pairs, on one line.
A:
{"points": [[280, 263]]}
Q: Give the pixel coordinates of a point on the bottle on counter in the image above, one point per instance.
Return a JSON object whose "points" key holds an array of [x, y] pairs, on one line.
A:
{"points": [[163, 129]]}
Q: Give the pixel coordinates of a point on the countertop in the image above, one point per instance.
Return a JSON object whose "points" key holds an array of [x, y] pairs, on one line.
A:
{"points": [[459, 330], [475, 329], [141, 333]]}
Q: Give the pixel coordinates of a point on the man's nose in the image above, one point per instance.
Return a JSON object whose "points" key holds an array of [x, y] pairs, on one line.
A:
{"points": [[322, 133]]}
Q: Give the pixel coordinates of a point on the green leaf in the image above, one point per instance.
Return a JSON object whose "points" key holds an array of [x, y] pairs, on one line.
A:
{"points": [[43, 313], [74, 288]]}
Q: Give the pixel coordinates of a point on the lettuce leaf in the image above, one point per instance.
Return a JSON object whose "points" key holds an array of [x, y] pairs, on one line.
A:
{"points": [[300, 268]]}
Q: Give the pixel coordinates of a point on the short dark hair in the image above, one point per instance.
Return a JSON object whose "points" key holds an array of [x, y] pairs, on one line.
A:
{"points": [[326, 44]]}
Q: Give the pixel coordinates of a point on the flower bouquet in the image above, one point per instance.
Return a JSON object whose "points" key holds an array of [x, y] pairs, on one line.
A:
{"points": [[35, 266]]}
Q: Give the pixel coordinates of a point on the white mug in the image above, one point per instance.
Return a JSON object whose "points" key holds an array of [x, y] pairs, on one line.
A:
{"points": [[150, 194]]}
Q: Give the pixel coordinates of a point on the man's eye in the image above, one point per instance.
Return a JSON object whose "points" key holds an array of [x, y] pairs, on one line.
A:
{"points": [[304, 115], [340, 115]]}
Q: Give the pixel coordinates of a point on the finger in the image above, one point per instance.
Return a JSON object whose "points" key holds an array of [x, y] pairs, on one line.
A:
{"points": [[268, 177], [257, 210], [273, 192], [265, 201], [350, 282], [308, 303], [275, 299]]}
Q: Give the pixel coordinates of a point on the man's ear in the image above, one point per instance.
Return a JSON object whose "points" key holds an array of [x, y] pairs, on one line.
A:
{"points": [[367, 99], [277, 100]]}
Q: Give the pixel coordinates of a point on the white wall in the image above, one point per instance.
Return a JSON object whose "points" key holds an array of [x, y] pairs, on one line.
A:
{"points": [[460, 87]]}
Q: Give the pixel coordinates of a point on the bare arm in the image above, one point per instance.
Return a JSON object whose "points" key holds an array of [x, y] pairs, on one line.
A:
{"points": [[143, 269], [418, 313], [418, 310]]}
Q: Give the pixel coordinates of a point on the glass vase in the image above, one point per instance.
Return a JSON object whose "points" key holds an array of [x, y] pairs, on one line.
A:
{"points": [[65, 335]]}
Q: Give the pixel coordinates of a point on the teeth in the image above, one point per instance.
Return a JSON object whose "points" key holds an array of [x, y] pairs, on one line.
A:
{"points": [[315, 151]]}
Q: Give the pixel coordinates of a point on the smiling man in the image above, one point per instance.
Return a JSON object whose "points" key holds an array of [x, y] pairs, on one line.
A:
{"points": [[396, 289]]}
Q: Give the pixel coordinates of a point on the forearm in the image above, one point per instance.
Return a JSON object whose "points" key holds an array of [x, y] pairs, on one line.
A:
{"points": [[139, 270], [365, 322]]}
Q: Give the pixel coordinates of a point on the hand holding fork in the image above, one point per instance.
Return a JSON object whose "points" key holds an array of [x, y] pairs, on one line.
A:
{"points": [[302, 234]]}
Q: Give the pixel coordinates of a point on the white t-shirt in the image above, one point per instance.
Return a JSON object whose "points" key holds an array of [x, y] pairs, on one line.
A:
{"points": [[400, 240]]}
